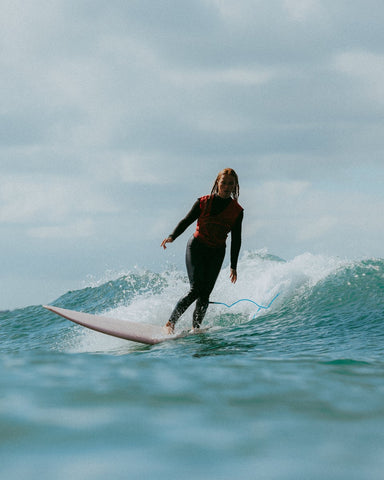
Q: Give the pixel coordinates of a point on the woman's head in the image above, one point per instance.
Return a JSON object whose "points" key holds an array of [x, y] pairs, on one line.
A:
{"points": [[226, 184]]}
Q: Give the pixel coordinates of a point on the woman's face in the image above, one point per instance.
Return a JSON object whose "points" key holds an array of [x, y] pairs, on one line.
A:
{"points": [[226, 186]]}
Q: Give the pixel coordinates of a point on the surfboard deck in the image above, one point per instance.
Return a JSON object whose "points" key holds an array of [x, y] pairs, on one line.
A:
{"points": [[136, 332]]}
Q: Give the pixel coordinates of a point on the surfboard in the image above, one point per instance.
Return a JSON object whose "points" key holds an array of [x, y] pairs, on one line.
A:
{"points": [[134, 331]]}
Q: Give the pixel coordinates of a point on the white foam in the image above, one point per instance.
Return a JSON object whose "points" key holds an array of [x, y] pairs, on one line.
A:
{"points": [[260, 278]]}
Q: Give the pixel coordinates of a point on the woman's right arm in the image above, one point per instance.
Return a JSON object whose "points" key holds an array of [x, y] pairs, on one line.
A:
{"points": [[191, 216]]}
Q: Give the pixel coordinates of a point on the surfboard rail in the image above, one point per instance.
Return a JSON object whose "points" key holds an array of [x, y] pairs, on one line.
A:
{"points": [[128, 330]]}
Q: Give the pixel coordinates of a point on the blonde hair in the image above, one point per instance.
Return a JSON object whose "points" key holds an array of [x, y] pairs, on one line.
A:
{"points": [[227, 171]]}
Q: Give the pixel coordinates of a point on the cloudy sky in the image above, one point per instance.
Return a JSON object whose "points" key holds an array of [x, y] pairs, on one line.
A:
{"points": [[116, 115]]}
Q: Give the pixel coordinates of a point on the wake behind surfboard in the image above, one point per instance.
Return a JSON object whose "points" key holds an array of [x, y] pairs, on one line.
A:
{"points": [[136, 332]]}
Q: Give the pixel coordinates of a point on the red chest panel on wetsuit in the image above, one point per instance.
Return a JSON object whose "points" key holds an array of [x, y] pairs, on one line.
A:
{"points": [[213, 229]]}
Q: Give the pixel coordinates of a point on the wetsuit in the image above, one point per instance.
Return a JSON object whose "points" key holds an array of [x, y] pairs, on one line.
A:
{"points": [[204, 261]]}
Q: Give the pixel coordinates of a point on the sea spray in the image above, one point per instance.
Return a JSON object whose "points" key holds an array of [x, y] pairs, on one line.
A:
{"points": [[314, 291]]}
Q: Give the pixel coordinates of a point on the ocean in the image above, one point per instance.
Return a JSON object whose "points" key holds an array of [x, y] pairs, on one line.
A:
{"points": [[294, 391]]}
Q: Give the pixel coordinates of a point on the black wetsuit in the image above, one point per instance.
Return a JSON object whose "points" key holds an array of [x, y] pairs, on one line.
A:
{"points": [[204, 262]]}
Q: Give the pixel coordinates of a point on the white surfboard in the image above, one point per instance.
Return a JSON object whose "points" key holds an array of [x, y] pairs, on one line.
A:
{"points": [[137, 332]]}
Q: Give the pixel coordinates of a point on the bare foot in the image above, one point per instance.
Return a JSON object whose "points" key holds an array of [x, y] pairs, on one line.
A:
{"points": [[170, 328]]}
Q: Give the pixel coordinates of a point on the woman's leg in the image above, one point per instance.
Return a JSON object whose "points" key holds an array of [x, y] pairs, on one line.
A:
{"points": [[213, 262], [203, 267], [181, 307], [193, 263]]}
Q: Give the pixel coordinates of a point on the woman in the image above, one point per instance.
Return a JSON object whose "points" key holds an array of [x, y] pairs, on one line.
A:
{"points": [[217, 214]]}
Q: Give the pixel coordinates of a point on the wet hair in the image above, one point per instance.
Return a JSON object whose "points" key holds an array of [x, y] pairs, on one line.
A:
{"points": [[227, 171]]}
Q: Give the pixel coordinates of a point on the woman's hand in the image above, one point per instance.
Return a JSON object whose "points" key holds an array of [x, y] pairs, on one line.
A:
{"points": [[165, 241], [233, 275]]}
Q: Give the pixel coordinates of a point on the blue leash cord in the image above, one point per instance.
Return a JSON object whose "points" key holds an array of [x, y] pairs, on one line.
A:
{"points": [[248, 300]]}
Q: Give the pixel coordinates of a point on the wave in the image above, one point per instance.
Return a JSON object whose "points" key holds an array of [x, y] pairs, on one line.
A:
{"points": [[322, 301]]}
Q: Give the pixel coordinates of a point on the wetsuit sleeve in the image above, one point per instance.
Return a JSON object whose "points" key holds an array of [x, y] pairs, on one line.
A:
{"points": [[236, 240], [191, 216]]}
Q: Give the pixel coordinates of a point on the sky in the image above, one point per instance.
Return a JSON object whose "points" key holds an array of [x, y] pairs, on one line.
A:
{"points": [[115, 116]]}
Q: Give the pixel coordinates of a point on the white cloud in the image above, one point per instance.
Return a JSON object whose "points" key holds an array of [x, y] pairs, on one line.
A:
{"points": [[230, 11], [300, 10], [365, 67], [235, 77], [297, 216], [316, 227], [277, 193], [24, 200], [78, 229], [143, 169]]}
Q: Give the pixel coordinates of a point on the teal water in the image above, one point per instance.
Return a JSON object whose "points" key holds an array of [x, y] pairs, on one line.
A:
{"points": [[295, 392]]}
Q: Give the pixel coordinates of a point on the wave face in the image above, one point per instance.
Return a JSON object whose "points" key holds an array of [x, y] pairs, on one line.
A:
{"points": [[324, 306], [290, 391]]}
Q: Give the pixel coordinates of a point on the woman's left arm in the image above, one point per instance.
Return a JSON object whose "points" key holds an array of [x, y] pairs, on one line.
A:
{"points": [[235, 246]]}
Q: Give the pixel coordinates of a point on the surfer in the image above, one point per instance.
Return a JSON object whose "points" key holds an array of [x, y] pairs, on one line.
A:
{"points": [[217, 214]]}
